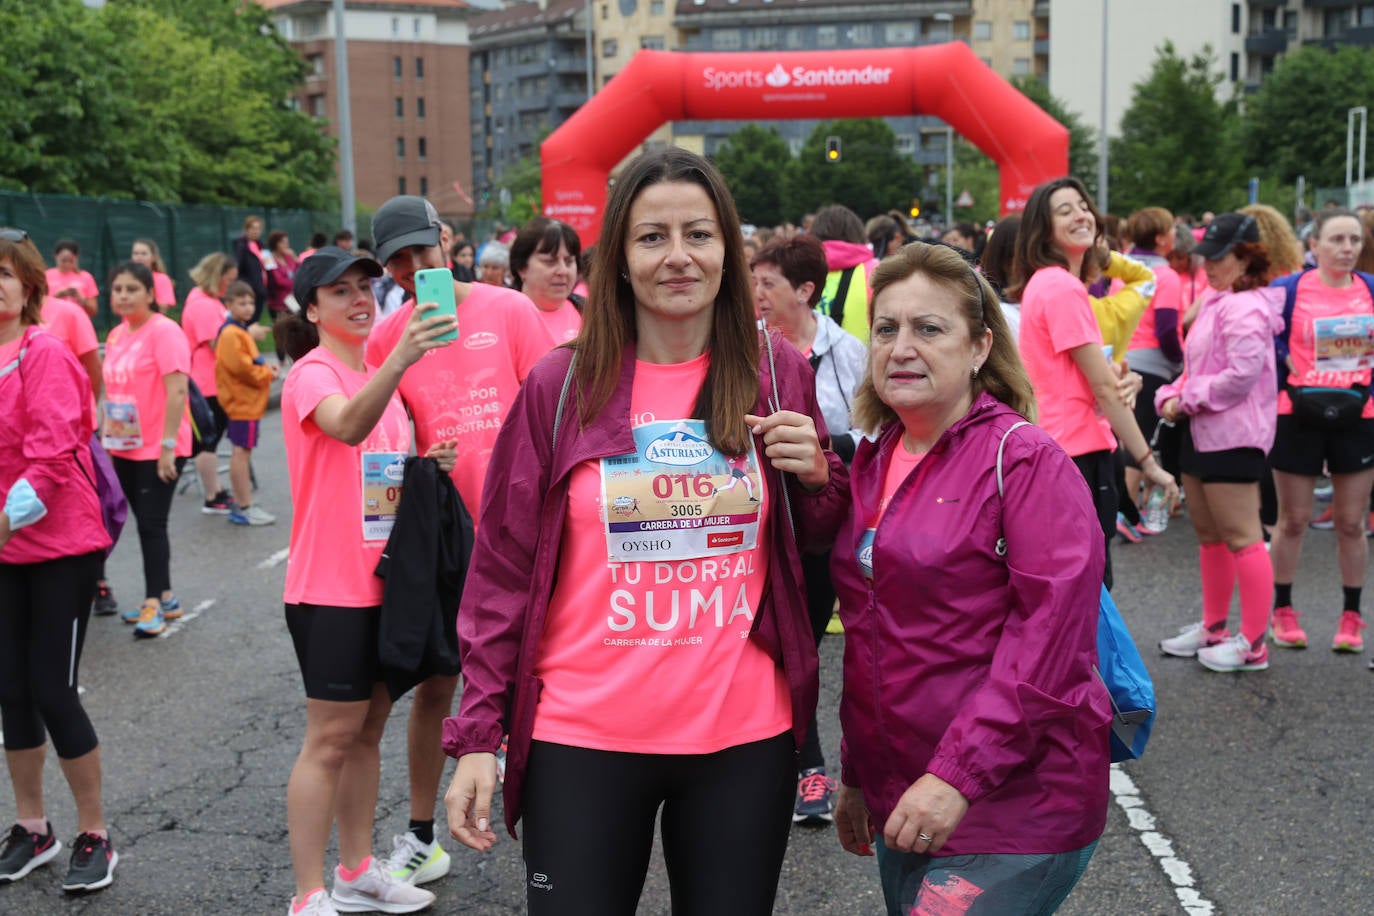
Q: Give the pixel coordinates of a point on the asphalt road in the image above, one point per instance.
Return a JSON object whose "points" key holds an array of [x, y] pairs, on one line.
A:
{"points": [[1253, 797]]}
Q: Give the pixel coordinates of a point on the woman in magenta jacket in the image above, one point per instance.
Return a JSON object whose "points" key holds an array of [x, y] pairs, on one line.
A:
{"points": [[975, 731], [52, 541], [1225, 405]]}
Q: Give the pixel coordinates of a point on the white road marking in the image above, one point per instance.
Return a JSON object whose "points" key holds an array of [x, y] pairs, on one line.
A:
{"points": [[186, 618], [1180, 875], [275, 559]]}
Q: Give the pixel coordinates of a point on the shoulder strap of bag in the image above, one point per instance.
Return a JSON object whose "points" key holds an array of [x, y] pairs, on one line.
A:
{"points": [[841, 293], [562, 399], [1001, 547], [775, 404]]}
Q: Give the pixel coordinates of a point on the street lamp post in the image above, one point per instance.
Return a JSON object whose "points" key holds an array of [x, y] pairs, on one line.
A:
{"points": [[1350, 114], [1102, 204], [347, 204]]}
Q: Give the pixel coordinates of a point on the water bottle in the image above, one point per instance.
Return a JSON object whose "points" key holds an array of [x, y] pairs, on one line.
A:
{"points": [[1156, 517]]}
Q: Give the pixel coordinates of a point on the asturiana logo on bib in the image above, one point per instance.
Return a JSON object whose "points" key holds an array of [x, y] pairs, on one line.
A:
{"points": [[396, 470], [678, 449], [482, 340], [717, 79]]}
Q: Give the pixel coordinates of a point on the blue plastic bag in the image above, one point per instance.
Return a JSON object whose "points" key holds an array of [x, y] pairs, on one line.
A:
{"points": [[1122, 671]]}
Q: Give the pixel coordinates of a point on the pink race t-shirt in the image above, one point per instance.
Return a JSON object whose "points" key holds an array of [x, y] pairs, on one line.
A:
{"points": [[1167, 296], [654, 656], [464, 391], [1056, 317], [135, 404], [562, 324], [900, 465], [1318, 311], [70, 323], [163, 292], [201, 320], [59, 280], [340, 523]]}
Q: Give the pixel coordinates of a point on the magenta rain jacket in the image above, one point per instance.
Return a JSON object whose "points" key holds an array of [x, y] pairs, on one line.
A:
{"points": [[1228, 389], [511, 577], [971, 666]]}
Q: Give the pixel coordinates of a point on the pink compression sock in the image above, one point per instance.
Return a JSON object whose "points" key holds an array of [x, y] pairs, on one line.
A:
{"points": [[351, 874], [1218, 568], [1256, 575]]}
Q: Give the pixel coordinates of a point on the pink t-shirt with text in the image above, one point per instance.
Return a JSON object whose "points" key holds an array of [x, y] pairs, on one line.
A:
{"points": [[69, 322], [562, 324], [59, 280], [624, 666], [331, 561], [1315, 300], [164, 294], [201, 320], [135, 363], [1056, 317], [464, 391]]}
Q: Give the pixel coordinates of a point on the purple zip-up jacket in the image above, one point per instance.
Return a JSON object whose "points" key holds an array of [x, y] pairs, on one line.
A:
{"points": [[972, 666], [515, 561], [1228, 389]]}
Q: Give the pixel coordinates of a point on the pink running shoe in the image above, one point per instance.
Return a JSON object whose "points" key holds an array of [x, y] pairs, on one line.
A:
{"points": [[1284, 629], [1235, 654], [1348, 638]]}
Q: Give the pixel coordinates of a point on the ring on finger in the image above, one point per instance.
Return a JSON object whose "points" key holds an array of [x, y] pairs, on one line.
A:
{"points": [[924, 837]]}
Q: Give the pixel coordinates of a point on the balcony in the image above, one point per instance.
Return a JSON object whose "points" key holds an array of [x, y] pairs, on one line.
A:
{"points": [[1041, 47], [1329, 3], [1267, 4], [1361, 36], [1271, 41]]}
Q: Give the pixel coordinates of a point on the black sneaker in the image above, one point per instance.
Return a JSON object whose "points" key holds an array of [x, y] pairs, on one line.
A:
{"points": [[815, 798], [105, 604], [219, 504], [24, 851], [93, 864]]}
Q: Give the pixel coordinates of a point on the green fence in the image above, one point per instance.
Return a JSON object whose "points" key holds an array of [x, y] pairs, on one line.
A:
{"points": [[105, 229]]}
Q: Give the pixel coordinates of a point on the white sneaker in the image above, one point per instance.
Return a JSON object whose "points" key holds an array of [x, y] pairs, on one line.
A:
{"points": [[1234, 654], [1190, 639], [317, 904], [416, 862], [377, 890], [257, 515]]}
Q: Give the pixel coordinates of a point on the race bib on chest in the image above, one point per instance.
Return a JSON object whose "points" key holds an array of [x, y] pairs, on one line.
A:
{"points": [[677, 498], [121, 431], [1344, 343], [383, 473]]}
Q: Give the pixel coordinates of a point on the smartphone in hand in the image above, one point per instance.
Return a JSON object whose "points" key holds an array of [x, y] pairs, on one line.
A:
{"points": [[435, 284]]}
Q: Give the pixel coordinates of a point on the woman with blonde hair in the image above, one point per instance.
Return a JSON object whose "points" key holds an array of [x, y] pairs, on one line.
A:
{"points": [[1278, 238], [201, 319]]}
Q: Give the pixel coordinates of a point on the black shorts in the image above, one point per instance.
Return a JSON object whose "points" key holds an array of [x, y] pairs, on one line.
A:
{"points": [[1230, 465], [337, 650], [1302, 450], [221, 423]]}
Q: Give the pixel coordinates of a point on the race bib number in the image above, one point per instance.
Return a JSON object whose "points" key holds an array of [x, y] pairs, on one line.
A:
{"points": [[383, 473], [121, 431], [1344, 343], [677, 498], [864, 554]]}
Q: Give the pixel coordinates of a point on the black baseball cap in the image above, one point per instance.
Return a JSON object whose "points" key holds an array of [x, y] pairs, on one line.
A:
{"points": [[402, 222], [1224, 233], [325, 266]]}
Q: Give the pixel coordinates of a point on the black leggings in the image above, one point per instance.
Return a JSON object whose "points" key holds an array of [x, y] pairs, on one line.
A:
{"points": [[150, 500], [820, 605], [44, 608], [726, 819], [1099, 470]]}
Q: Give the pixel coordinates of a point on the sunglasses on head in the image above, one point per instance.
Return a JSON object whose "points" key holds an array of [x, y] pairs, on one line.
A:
{"points": [[13, 235]]}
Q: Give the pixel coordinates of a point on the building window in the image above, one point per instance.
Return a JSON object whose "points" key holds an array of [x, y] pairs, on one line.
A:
{"points": [[395, 26], [656, 8], [726, 40], [396, 67], [421, 148], [419, 68], [420, 108], [1020, 30], [794, 37], [764, 39], [400, 107], [1021, 66], [940, 30], [415, 26], [652, 42], [861, 35], [900, 33], [1235, 18], [401, 185], [1366, 15], [314, 105], [316, 64], [605, 11], [982, 30], [609, 47], [1235, 66], [400, 147], [987, 62], [825, 36], [424, 186]]}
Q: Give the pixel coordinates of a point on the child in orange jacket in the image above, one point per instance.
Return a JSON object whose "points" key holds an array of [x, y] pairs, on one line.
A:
{"points": [[244, 382]]}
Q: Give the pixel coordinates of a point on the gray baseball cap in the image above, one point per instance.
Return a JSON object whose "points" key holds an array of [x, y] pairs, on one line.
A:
{"points": [[402, 222], [324, 267]]}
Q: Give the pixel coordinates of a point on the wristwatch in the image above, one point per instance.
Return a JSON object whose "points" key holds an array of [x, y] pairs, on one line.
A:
{"points": [[169, 443]]}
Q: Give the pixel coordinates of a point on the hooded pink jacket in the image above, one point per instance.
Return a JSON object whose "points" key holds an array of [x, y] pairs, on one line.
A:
{"points": [[1229, 389], [972, 666]]}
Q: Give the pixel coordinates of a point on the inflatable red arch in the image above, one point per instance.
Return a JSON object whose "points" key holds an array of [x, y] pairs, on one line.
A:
{"points": [[945, 80]]}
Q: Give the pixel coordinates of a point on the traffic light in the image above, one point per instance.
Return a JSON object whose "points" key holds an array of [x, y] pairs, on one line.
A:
{"points": [[832, 149], [915, 210]]}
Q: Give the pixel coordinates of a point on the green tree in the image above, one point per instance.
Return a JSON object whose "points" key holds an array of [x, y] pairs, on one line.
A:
{"points": [[1179, 147], [975, 173], [751, 161], [1082, 138], [520, 183], [870, 178], [1296, 123]]}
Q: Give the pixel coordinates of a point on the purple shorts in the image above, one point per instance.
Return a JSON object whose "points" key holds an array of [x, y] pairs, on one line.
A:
{"points": [[244, 433]]}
